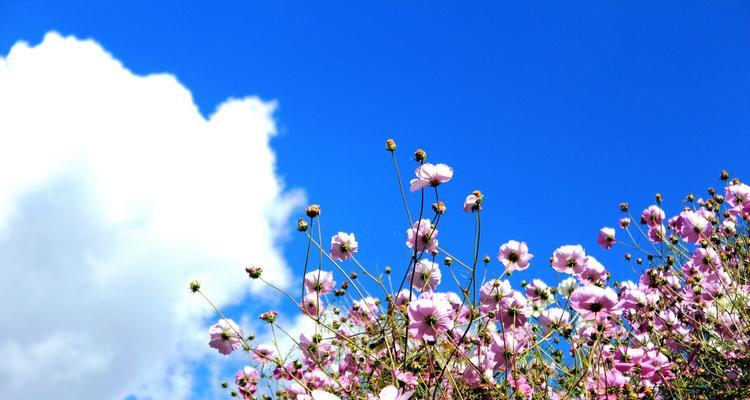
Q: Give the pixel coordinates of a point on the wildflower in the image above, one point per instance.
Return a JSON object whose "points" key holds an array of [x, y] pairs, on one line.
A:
{"points": [[269, 316], [473, 201], [263, 354], [343, 245], [554, 318], [537, 290], [429, 318], [319, 281], [226, 336], [657, 233], [653, 215], [392, 393], [514, 255], [425, 276], [569, 259], [430, 175], [254, 271], [694, 227], [594, 302], [247, 382], [311, 304], [422, 236], [606, 238], [566, 287], [313, 210], [624, 222]]}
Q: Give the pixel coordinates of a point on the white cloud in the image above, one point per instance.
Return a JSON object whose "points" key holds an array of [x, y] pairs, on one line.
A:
{"points": [[114, 192]]}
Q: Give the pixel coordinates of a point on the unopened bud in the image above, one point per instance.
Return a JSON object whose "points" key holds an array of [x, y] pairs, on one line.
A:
{"points": [[486, 259], [439, 207], [624, 207], [658, 198], [302, 225], [390, 145], [448, 261], [195, 286], [420, 155], [313, 210], [387, 269], [724, 175]]}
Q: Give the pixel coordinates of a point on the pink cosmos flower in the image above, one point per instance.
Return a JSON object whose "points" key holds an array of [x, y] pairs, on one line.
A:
{"points": [[319, 281], [473, 201], [422, 236], [594, 302], [593, 272], [263, 354], [657, 233], [514, 311], [429, 318], [569, 259], [430, 175], [624, 222], [553, 318], [311, 304], [514, 255], [425, 276], [537, 290], [226, 336], [247, 382], [363, 311], [652, 216], [706, 260], [492, 293], [738, 197], [392, 393], [343, 245], [694, 227], [606, 238]]}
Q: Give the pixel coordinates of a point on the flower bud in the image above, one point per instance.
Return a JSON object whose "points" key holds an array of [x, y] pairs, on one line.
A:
{"points": [[390, 145], [387, 269], [302, 225], [486, 259], [195, 286], [624, 207], [439, 207], [658, 198], [724, 175], [269, 316], [448, 261], [420, 155], [313, 210]]}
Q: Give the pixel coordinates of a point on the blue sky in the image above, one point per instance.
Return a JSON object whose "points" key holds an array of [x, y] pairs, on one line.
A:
{"points": [[557, 112]]}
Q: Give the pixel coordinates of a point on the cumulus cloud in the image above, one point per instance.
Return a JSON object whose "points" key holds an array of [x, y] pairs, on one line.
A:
{"points": [[115, 192]]}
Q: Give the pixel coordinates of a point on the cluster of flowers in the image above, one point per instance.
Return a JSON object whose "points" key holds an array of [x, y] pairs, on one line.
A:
{"points": [[681, 330]]}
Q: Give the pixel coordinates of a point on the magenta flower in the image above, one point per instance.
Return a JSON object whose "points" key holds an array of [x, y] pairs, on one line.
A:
{"points": [[694, 227], [430, 175], [738, 197], [514, 311], [429, 318], [594, 302], [569, 259], [343, 245], [263, 354], [363, 311], [422, 236], [392, 393], [425, 276], [537, 290], [553, 318], [657, 233], [492, 293], [514, 255], [247, 382], [319, 281], [311, 304], [473, 201], [652, 216], [593, 272], [226, 336], [606, 238]]}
